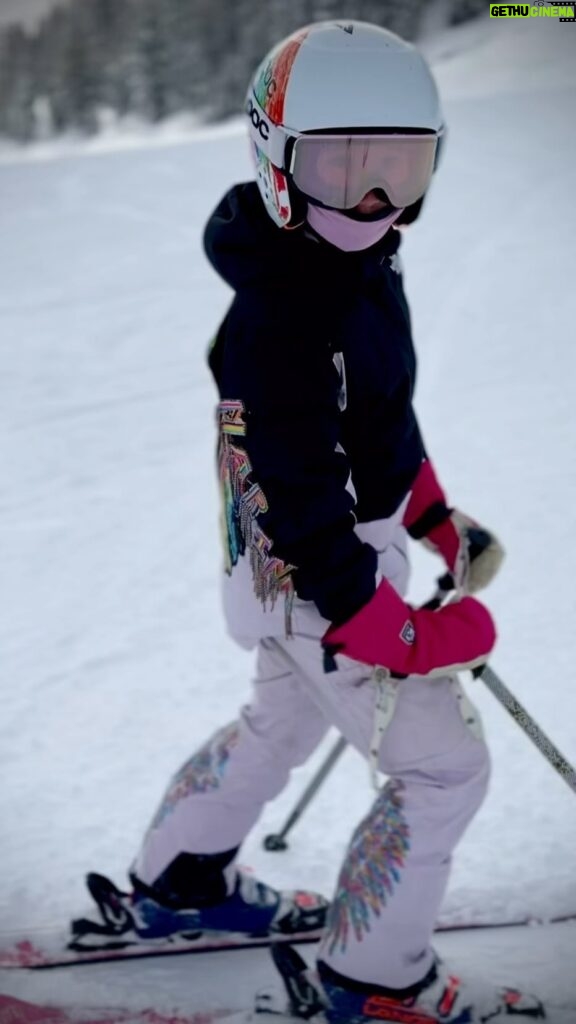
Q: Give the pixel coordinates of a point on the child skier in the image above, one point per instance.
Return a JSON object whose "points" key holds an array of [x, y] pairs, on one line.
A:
{"points": [[323, 472]]}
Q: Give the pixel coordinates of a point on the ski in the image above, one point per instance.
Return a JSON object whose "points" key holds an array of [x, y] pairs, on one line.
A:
{"points": [[46, 948], [49, 947]]}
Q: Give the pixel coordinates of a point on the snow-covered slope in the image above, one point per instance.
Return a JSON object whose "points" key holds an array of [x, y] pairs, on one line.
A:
{"points": [[114, 660]]}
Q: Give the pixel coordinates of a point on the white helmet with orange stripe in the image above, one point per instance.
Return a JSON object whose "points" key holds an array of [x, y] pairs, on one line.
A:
{"points": [[338, 109]]}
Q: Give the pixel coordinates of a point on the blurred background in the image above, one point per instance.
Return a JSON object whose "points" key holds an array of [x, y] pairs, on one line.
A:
{"points": [[83, 65]]}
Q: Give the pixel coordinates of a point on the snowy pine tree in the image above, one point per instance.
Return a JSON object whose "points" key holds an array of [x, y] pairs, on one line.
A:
{"points": [[154, 58]]}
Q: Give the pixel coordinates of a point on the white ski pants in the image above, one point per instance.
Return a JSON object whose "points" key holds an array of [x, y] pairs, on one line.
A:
{"points": [[395, 872]]}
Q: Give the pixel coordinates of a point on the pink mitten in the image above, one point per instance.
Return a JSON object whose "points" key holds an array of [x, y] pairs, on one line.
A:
{"points": [[406, 641]]}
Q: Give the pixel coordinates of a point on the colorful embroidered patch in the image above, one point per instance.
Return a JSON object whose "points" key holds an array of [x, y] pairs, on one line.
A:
{"points": [[371, 869], [203, 772], [242, 502]]}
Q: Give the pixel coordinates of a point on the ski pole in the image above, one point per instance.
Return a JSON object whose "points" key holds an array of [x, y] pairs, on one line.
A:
{"points": [[445, 587], [277, 840], [527, 723]]}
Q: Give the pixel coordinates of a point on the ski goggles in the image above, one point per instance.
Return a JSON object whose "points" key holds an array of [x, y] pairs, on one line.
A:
{"points": [[339, 170]]}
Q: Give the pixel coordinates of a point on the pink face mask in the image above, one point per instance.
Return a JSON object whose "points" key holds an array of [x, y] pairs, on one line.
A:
{"points": [[344, 232]]}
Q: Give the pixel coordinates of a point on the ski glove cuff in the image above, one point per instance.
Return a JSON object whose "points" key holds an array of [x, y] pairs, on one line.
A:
{"points": [[388, 633], [472, 554]]}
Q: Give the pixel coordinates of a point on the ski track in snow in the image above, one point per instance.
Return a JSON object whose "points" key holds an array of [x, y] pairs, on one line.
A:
{"points": [[115, 661]]}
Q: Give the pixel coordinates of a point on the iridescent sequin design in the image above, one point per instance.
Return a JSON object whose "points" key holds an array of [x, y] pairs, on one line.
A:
{"points": [[371, 870], [242, 502], [203, 772]]}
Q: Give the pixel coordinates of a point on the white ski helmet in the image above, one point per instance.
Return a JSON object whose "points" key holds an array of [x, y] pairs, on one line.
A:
{"points": [[339, 108]]}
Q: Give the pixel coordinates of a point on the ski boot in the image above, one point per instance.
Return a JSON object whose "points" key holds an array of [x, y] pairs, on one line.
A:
{"points": [[154, 915], [440, 998]]}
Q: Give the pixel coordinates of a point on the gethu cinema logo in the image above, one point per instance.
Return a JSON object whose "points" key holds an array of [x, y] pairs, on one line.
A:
{"points": [[538, 10]]}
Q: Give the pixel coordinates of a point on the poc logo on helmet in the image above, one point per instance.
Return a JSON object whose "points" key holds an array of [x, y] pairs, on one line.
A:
{"points": [[260, 124]]}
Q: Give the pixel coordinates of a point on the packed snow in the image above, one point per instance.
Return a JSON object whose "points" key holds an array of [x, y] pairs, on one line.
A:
{"points": [[115, 660]]}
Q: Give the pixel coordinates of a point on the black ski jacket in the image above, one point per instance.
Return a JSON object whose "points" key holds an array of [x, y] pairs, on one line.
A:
{"points": [[315, 369]]}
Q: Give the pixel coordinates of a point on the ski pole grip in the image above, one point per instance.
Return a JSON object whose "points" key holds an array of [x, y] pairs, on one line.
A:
{"points": [[478, 541]]}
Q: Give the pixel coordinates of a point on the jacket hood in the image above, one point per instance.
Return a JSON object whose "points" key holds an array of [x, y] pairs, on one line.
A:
{"points": [[247, 249]]}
